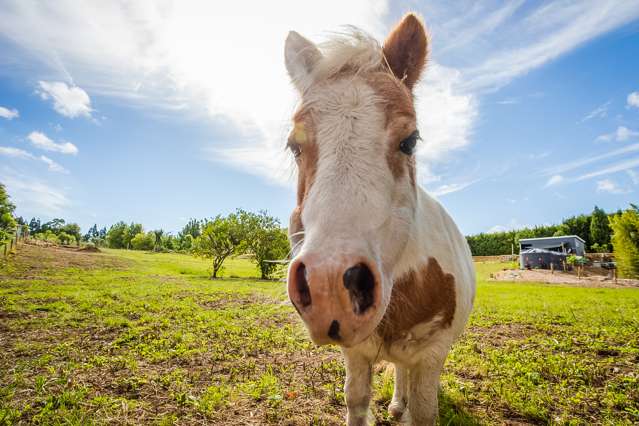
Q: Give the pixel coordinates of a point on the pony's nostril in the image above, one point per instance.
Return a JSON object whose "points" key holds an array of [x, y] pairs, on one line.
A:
{"points": [[360, 282], [303, 291]]}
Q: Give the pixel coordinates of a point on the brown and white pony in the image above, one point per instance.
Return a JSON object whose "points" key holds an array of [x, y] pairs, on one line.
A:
{"points": [[379, 267]]}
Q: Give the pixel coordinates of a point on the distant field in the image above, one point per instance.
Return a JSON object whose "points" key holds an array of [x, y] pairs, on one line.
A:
{"points": [[125, 337]]}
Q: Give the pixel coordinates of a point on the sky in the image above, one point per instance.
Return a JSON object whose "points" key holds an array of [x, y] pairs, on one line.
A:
{"points": [[156, 112]]}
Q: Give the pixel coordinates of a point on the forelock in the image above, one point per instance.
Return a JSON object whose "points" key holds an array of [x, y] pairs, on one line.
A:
{"points": [[352, 52]]}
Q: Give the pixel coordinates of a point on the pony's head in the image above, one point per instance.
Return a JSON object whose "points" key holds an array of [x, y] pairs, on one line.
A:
{"points": [[353, 139]]}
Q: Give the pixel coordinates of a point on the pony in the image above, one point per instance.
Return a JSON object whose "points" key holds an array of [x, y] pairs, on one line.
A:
{"points": [[378, 266]]}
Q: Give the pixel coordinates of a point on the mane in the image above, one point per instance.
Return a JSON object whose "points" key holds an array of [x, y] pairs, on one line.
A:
{"points": [[350, 52]]}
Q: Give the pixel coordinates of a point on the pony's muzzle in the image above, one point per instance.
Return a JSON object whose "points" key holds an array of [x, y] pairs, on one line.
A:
{"points": [[337, 297]]}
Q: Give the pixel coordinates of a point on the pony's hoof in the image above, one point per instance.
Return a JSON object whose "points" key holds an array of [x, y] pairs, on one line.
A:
{"points": [[396, 409]]}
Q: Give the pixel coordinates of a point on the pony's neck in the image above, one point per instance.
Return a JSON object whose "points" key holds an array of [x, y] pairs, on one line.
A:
{"points": [[414, 250]]}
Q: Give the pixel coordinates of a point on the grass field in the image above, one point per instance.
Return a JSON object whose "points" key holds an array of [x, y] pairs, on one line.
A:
{"points": [[126, 337]]}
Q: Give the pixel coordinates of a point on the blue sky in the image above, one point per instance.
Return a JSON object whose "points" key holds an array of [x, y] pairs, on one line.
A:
{"points": [[158, 112]]}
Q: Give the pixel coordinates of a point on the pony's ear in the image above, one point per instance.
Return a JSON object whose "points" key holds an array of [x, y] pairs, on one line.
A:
{"points": [[406, 48], [301, 55]]}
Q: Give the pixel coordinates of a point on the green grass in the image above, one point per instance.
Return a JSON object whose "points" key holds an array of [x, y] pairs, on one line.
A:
{"points": [[134, 337]]}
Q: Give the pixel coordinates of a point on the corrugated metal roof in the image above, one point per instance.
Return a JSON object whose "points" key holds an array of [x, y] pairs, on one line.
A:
{"points": [[551, 238]]}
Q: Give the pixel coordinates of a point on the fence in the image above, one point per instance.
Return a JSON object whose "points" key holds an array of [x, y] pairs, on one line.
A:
{"points": [[14, 238]]}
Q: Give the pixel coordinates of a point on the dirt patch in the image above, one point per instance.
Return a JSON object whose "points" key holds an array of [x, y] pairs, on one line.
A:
{"points": [[500, 334], [34, 261], [90, 249], [590, 279]]}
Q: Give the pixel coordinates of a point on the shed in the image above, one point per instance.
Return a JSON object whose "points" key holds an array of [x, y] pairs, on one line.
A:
{"points": [[563, 245]]}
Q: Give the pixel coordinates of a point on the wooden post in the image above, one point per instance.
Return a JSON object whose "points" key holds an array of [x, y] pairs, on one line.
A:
{"points": [[552, 268]]}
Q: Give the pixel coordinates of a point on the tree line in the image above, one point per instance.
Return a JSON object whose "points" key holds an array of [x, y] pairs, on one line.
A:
{"points": [[257, 235], [594, 228]]}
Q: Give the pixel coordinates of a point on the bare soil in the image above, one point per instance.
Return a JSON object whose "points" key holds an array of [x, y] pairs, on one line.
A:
{"points": [[592, 277]]}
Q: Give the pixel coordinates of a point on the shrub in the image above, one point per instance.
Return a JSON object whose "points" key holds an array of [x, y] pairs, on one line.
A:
{"points": [[625, 240]]}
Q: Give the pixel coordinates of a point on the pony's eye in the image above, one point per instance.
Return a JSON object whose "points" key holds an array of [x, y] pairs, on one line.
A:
{"points": [[295, 148], [407, 146]]}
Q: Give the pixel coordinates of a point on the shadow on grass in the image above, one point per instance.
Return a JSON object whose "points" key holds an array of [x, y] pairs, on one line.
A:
{"points": [[452, 413]]}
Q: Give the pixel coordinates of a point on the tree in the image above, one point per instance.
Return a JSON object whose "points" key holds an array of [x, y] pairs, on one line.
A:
{"points": [[192, 228], [7, 222], [34, 226], [115, 237], [625, 240], [72, 229], [131, 231], [578, 225], [158, 233], [54, 226], [264, 239], [143, 241], [64, 238], [599, 229], [221, 237]]}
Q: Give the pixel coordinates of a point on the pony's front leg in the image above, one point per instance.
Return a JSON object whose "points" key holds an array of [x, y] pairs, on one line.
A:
{"points": [[422, 393], [400, 393], [357, 388]]}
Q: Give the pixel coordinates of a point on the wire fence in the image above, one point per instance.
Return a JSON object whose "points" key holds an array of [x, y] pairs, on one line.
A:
{"points": [[19, 235]]}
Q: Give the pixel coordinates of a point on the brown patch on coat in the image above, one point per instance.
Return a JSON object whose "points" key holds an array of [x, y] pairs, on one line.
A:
{"points": [[419, 296], [399, 110], [307, 160], [406, 48]]}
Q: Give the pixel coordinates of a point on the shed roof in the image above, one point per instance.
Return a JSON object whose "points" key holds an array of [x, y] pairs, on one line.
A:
{"points": [[560, 237]]}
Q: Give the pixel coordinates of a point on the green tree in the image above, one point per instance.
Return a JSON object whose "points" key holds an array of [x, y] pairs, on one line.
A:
{"points": [[131, 231], [116, 236], [64, 238], [599, 229], [54, 225], [264, 239], [7, 222], [578, 225], [158, 233], [72, 229], [34, 226], [625, 240], [143, 241], [193, 228], [221, 237]]}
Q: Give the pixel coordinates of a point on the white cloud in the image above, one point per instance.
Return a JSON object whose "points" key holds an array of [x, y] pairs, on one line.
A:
{"points": [[610, 186], [446, 115], [614, 168], [42, 141], [22, 154], [511, 226], [216, 57], [633, 100], [600, 112], [543, 34], [8, 151], [621, 134], [53, 166], [554, 180], [9, 114], [572, 165], [33, 196], [70, 101], [450, 188]]}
